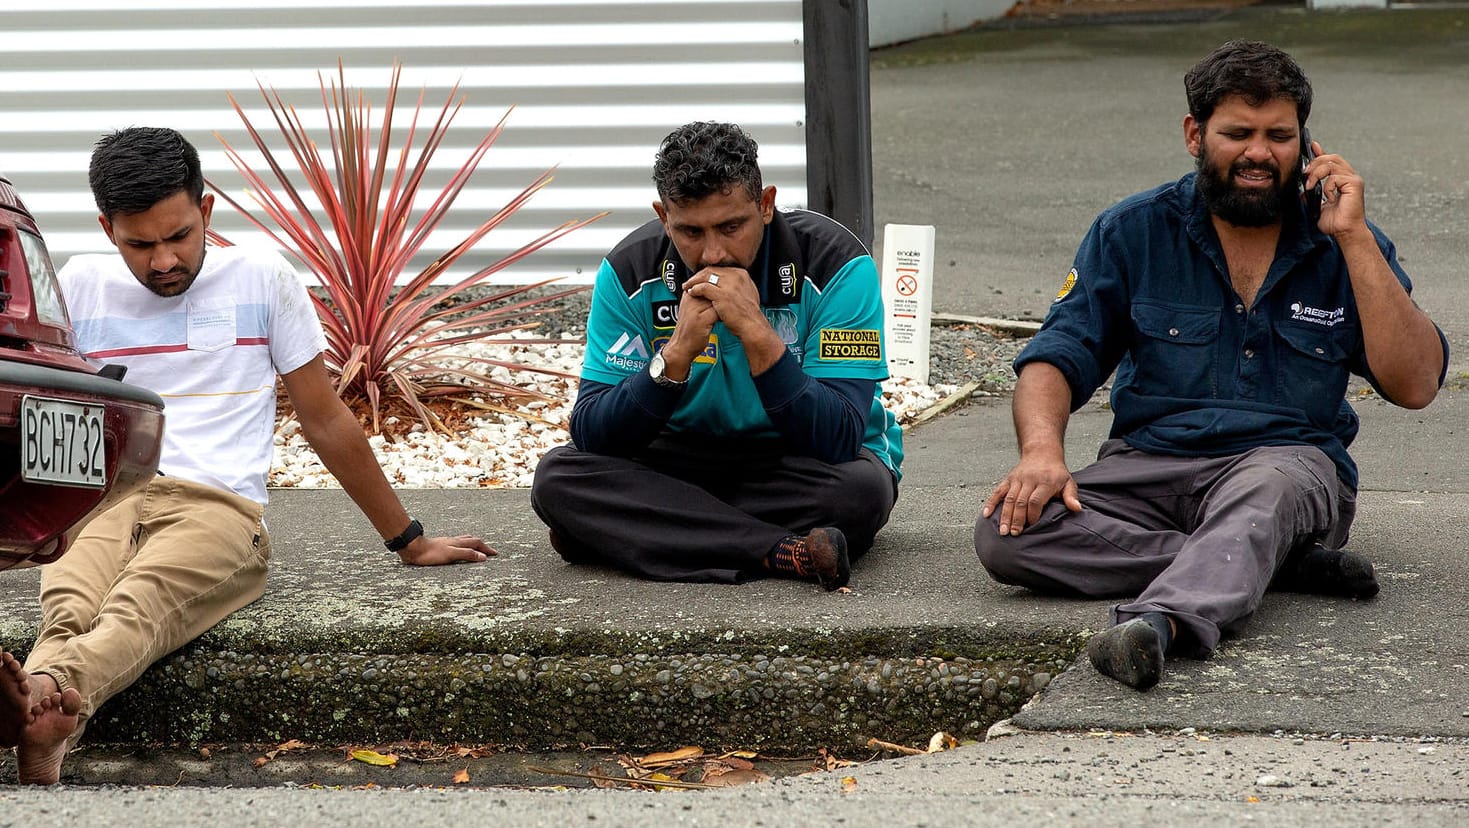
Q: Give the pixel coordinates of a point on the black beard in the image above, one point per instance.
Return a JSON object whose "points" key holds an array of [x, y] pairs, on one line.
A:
{"points": [[1238, 206]]}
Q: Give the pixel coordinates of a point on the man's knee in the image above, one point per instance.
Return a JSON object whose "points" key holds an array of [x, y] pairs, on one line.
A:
{"points": [[998, 554], [865, 500], [546, 483]]}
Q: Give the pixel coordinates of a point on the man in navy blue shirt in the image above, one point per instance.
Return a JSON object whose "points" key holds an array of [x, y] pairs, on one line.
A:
{"points": [[729, 424], [1233, 304]]}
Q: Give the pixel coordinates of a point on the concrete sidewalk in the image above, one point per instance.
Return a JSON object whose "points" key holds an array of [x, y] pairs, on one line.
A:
{"points": [[1010, 142], [525, 650]]}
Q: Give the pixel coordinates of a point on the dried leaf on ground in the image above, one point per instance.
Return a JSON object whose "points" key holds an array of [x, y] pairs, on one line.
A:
{"points": [[673, 757], [732, 762], [737, 776], [832, 762], [941, 741], [372, 757], [849, 784], [283, 747], [472, 752], [461, 776], [600, 778]]}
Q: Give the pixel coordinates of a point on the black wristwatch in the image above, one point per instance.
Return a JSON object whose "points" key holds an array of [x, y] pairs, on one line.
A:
{"points": [[411, 534], [658, 370]]}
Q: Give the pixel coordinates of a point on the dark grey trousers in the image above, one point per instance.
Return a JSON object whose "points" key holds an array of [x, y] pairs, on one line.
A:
{"points": [[1199, 538], [692, 508]]}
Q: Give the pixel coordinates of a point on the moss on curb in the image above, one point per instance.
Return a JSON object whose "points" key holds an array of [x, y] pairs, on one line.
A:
{"points": [[833, 691]]}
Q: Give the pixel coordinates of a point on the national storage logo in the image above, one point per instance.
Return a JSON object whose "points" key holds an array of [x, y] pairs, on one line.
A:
{"points": [[863, 345]]}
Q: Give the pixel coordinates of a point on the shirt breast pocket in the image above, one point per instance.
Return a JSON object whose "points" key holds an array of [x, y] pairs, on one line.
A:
{"points": [[1314, 364], [1174, 349]]}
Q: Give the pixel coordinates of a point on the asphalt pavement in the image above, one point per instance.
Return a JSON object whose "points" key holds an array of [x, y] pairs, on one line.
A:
{"points": [[1009, 141]]}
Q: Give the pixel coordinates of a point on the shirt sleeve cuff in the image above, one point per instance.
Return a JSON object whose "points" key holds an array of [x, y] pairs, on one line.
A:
{"points": [[782, 382]]}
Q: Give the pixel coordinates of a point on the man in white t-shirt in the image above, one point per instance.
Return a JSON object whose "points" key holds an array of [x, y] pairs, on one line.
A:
{"points": [[209, 335]]}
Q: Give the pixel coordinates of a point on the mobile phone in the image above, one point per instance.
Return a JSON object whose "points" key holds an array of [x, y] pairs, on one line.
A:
{"points": [[1311, 197]]}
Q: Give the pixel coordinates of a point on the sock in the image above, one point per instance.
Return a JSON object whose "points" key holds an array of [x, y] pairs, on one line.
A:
{"points": [[820, 555], [790, 556], [1160, 622], [1131, 652], [1322, 571]]}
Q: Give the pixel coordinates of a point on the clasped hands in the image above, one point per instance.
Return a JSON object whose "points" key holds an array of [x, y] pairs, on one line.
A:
{"points": [[725, 294]]}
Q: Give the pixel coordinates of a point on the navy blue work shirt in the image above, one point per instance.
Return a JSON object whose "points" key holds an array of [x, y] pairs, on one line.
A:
{"points": [[1198, 373]]}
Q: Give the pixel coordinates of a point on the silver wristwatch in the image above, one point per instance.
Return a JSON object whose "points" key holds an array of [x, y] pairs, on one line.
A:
{"points": [[658, 370]]}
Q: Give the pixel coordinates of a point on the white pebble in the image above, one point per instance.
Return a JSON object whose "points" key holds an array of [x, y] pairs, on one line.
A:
{"points": [[497, 449]]}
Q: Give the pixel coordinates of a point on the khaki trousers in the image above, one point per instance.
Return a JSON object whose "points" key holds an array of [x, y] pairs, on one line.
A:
{"points": [[144, 578]]}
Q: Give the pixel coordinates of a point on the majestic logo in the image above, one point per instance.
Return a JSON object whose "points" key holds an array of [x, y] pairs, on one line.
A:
{"points": [[665, 314], [1066, 286], [1317, 316], [628, 352], [865, 345], [670, 275]]}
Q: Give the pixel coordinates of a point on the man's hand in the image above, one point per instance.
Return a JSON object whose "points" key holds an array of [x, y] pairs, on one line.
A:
{"points": [[1343, 193], [1026, 490], [426, 551], [736, 302], [696, 318]]}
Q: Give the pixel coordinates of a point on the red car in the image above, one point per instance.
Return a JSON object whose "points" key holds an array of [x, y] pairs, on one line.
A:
{"points": [[73, 438]]}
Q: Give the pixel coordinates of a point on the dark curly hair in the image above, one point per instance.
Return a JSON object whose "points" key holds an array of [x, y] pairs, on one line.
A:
{"points": [[135, 168], [1257, 72], [703, 158]]}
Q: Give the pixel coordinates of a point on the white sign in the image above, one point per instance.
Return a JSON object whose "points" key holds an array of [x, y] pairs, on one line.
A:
{"points": [[907, 297]]}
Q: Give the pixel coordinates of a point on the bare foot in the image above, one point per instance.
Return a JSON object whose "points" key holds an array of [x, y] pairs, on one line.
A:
{"points": [[15, 700], [43, 742]]}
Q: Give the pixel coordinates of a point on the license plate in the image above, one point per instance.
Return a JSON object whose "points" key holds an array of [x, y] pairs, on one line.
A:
{"points": [[62, 442]]}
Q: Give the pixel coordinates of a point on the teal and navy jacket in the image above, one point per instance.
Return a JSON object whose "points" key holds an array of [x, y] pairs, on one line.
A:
{"points": [[819, 289], [1198, 373]]}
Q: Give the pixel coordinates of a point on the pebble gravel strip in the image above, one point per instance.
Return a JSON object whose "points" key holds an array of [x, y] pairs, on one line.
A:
{"points": [[640, 700]]}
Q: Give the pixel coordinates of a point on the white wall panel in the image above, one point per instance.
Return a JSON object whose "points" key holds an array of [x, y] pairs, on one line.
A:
{"points": [[594, 86]]}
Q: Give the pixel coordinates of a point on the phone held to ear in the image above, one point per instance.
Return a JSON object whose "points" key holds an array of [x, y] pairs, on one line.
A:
{"points": [[1311, 197]]}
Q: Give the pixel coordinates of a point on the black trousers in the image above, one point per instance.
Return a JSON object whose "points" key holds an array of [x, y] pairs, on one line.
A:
{"points": [[697, 508]]}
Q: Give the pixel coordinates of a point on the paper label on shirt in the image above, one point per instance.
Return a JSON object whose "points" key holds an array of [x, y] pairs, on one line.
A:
{"points": [[211, 325]]}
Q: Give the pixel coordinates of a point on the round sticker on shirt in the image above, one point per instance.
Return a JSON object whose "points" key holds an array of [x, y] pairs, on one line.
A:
{"points": [[1066, 286]]}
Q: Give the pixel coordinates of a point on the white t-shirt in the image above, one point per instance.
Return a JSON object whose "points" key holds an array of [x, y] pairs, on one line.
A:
{"points": [[212, 353]]}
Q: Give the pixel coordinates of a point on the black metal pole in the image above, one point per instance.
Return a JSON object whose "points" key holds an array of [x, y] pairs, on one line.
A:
{"points": [[839, 113]]}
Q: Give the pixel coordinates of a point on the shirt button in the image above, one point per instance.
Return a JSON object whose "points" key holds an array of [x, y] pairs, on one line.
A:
{"points": [[1239, 308], [1173, 332], [1320, 351], [1249, 353]]}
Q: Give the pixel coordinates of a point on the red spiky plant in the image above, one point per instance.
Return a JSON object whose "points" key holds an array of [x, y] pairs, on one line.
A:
{"points": [[382, 341]]}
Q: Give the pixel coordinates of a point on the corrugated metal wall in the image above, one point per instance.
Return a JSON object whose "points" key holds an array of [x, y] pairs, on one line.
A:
{"points": [[595, 85]]}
